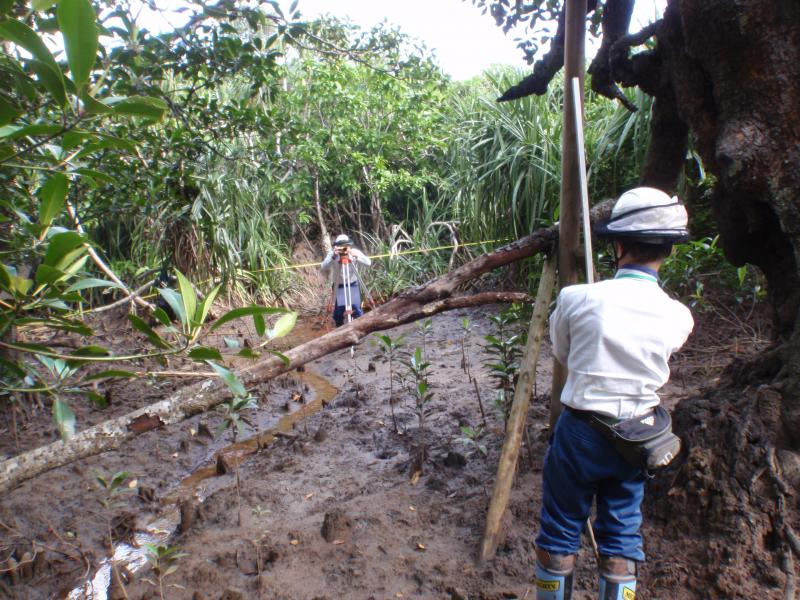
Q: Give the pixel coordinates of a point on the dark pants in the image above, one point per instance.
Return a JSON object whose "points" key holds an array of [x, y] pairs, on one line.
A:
{"points": [[339, 316], [581, 465]]}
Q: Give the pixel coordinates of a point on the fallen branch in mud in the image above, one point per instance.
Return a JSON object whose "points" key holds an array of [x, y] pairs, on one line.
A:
{"points": [[417, 303]]}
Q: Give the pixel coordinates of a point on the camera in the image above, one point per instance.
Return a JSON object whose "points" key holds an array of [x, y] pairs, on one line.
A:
{"points": [[343, 250]]}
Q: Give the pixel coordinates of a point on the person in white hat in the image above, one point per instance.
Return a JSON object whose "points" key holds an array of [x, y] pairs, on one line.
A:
{"points": [[615, 337], [344, 252]]}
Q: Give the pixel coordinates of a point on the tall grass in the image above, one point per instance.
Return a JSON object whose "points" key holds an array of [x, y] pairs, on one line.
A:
{"points": [[505, 159]]}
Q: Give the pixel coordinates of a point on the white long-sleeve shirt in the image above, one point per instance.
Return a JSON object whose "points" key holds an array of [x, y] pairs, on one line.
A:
{"points": [[332, 262], [616, 337]]}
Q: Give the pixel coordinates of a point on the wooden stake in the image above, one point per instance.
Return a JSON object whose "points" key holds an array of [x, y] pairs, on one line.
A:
{"points": [[519, 412]]}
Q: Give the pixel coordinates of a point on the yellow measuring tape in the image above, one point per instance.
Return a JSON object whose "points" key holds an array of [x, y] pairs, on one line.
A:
{"points": [[376, 256], [318, 263]]}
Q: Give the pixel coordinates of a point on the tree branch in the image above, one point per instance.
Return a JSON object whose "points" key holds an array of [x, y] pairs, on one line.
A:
{"points": [[436, 296]]}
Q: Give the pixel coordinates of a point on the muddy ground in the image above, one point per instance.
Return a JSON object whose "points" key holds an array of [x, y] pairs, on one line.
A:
{"points": [[332, 508]]}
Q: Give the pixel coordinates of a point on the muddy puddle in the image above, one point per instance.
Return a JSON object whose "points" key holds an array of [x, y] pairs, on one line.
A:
{"points": [[203, 481]]}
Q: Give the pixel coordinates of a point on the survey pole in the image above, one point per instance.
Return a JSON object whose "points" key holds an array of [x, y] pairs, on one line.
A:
{"points": [[570, 200]]}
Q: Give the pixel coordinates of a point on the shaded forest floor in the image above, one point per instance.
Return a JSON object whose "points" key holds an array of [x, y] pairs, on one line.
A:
{"points": [[331, 509]]}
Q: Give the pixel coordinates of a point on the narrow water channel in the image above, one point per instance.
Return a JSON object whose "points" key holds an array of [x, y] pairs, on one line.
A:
{"points": [[158, 531]]}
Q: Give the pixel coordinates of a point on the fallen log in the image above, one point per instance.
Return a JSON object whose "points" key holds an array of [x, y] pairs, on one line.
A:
{"points": [[420, 302]]}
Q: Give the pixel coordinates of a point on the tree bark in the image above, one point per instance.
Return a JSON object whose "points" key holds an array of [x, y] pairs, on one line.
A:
{"points": [[433, 297]]}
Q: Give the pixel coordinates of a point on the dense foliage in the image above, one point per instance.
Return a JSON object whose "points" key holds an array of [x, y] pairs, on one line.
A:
{"points": [[227, 146]]}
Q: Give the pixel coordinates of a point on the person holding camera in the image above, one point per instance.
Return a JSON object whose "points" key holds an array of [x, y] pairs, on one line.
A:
{"points": [[340, 262], [615, 337]]}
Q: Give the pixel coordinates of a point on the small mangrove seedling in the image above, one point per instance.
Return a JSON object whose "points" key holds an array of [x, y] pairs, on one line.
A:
{"points": [[233, 420], [417, 370], [466, 329], [425, 330], [504, 349], [390, 350], [110, 487], [163, 560], [470, 440]]}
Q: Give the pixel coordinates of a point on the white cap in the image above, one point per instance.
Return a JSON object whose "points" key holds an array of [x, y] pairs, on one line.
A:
{"points": [[342, 240], [648, 215]]}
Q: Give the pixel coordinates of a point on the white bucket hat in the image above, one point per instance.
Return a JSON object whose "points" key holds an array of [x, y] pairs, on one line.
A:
{"points": [[646, 215], [342, 240]]}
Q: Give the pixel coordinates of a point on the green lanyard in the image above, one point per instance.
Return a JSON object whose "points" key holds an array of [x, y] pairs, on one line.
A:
{"points": [[641, 276]]}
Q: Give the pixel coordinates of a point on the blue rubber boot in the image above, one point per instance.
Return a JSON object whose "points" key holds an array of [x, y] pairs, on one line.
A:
{"points": [[554, 575], [617, 578]]}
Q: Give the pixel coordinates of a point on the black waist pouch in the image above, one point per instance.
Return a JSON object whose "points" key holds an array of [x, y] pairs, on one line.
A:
{"points": [[645, 441]]}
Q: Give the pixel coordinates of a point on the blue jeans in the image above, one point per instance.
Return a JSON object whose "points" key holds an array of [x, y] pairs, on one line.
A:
{"points": [[581, 465], [338, 313]]}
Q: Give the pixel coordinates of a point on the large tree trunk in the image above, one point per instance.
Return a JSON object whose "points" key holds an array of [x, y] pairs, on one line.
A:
{"points": [[734, 69]]}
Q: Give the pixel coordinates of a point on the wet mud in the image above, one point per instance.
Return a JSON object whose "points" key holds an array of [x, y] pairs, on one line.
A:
{"points": [[328, 505]]}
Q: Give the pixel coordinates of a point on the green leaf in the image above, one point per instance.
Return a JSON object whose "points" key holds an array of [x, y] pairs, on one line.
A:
{"points": [[53, 81], [43, 4], [52, 196], [162, 316], [7, 5], [8, 112], [99, 400], [259, 324], [230, 379], [47, 275], [205, 353], [78, 25], [148, 331], [283, 357], [93, 175], [60, 246], [139, 106], [64, 418], [91, 282], [93, 106], [246, 311], [283, 326], [205, 306], [5, 277], [13, 132], [25, 37], [249, 353], [188, 296], [175, 302], [109, 373], [20, 285]]}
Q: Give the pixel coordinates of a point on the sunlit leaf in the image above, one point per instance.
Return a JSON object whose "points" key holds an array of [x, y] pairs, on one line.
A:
{"points": [[44, 4], [284, 325], [246, 311], [64, 418], [78, 25], [205, 306], [188, 297]]}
